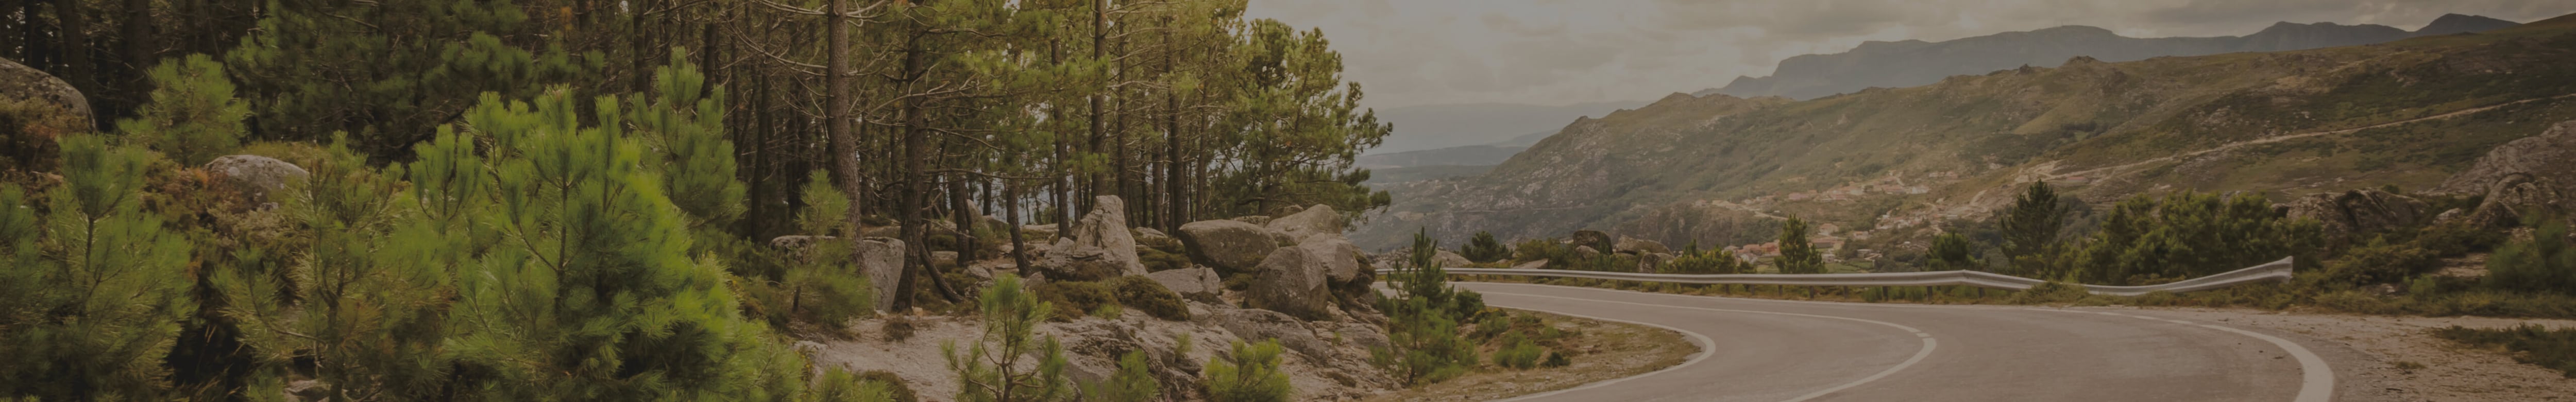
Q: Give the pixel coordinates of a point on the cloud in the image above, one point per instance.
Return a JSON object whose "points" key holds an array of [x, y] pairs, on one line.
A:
{"points": [[1416, 52]]}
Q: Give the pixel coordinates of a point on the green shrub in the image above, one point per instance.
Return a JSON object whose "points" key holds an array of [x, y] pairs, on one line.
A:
{"points": [[1144, 294], [1157, 260], [998, 366], [1483, 248], [2543, 264], [896, 389], [1518, 352], [1250, 373], [1555, 359], [193, 116], [1073, 299], [2551, 348], [1555, 253], [2457, 238], [839, 385], [1134, 382], [1424, 345], [2380, 262]]}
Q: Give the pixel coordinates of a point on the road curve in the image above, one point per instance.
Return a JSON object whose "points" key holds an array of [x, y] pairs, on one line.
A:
{"points": [[1775, 350]]}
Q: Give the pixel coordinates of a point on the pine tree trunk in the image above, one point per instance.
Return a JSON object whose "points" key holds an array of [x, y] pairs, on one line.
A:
{"points": [[844, 144]]}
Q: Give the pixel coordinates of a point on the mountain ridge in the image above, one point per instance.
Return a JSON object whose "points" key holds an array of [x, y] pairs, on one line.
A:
{"points": [[1913, 62], [1903, 162]]}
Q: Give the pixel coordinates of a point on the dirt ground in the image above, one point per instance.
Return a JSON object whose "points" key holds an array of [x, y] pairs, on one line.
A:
{"points": [[1609, 350], [2390, 358]]}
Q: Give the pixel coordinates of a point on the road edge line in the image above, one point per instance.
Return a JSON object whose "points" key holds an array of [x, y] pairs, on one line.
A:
{"points": [[1707, 348]]}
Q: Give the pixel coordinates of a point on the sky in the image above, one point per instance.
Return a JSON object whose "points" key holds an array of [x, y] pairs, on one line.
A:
{"points": [[1552, 52]]}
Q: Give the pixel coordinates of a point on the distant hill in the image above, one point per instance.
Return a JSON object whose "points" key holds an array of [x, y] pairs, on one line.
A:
{"points": [[1442, 126], [1471, 155], [1902, 163], [1916, 63]]}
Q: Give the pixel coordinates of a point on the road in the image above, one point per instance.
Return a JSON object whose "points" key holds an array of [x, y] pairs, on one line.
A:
{"points": [[1776, 350]]}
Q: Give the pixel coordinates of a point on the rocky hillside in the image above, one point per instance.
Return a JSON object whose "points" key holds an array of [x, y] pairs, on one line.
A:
{"points": [[1893, 163], [1913, 62]]}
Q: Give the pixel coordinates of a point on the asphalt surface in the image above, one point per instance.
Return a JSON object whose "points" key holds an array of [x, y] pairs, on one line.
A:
{"points": [[1775, 350]]}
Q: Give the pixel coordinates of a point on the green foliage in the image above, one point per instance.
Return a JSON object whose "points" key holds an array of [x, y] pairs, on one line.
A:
{"points": [[424, 62], [838, 385], [1518, 353], [684, 127], [102, 283], [1483, 248], [1422, 327], [1697, 261], [2188, 234], [1144, 294], [2031, 224], [2381, 262], [1073, 299], [1248, 373], [1797, 255], [1156, 259], [193, 116], [1134, 382], [2551, 348], [1953, 252], [367, 293], [896, 389], [590, 292], [2543, 264], [998, 366]]}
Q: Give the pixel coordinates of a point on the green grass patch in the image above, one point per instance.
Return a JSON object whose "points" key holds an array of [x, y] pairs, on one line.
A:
{"points": [[2551, 348]]}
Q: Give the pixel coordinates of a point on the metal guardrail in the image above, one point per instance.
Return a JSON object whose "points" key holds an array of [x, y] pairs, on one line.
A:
{"points": [[2276, 271]]}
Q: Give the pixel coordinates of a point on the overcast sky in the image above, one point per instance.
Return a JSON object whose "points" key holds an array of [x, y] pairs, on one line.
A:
{"points": [[1418, 52]]}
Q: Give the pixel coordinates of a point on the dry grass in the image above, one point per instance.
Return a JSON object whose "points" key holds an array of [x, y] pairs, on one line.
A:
{"points": [[1605, 350]]}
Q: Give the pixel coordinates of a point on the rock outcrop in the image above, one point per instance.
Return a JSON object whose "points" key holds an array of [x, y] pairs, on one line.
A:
{"points": [[1631, 245], [1593, 238], [36, 108], [878, 259], [1229, 245], [2548, 155], [1293, 280], [1100, 248], [1320, 219], [254, 176], [2515, 196], [1652, 262], [1448, 259], [1199, 283], [881, 261], [2353, 213]]}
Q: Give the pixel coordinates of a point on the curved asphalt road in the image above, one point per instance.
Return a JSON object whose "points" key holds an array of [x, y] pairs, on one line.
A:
{"points": [[1773, 350]]}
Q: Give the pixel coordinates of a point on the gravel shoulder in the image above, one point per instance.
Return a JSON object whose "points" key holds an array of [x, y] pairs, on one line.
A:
{"points": [[2395, 358], [1607, 350]]}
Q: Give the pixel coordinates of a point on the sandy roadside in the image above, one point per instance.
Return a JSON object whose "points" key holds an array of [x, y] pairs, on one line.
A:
{"points": [[2366, 351]]}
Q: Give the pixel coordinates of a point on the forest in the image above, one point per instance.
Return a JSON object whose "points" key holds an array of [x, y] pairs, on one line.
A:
{"points": [[573, 199]]}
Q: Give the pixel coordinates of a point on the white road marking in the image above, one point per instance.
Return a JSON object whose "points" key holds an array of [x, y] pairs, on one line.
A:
{"points": [[2316, 379], [1929, 343]]}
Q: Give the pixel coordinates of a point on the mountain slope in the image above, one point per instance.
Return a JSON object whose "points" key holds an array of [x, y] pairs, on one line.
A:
{"points": [[1914, 63], [1714, 169], [1442, 126]]}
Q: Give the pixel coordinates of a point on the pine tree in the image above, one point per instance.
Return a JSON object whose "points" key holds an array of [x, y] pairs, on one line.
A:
{"points": [[193, 116], [109, 286], [1797, 255], [1953, 252], [367, 297], [1483, 248], [2031, 224], [1249, 373], [591, 296], [997, 367]]}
